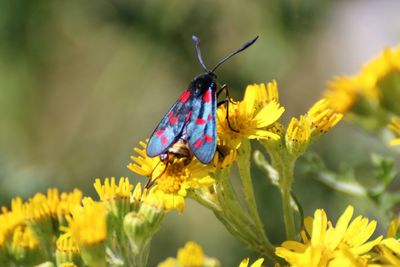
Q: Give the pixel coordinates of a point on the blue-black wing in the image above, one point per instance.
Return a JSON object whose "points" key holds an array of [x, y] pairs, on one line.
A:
{"points": [[170, 127], [201, 128]]}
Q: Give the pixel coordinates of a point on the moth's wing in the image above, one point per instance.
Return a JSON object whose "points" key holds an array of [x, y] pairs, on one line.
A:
{"points": [[170, 127], [201, 128]]}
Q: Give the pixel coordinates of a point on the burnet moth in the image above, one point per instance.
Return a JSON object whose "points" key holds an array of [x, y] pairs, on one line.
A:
{"points": [[189, 127]]}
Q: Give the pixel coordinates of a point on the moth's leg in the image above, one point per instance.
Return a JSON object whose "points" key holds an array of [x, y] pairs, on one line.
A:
{"points": [[226, 102], [150, 181]]}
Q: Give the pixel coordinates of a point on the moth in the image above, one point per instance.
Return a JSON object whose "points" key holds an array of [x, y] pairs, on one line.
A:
{"points": [[192, 118]]}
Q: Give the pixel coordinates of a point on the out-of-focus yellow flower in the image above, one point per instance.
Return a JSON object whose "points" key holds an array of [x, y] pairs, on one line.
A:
{"points": [[298, 135], [394, 126], [110, 190], [87, 224], [67, 250], [10, 219], [377, 69], [323, 116], [53, 205], [175, 178], [257, 263], [343, 245], [23, 238], [191, 255], [252, 116], [342, 93]]}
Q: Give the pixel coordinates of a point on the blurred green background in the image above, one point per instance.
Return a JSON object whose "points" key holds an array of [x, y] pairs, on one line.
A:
{"points": [[81, 82]]}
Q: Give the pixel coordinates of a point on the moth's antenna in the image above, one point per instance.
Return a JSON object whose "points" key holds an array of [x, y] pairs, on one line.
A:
{"points": [[245, 46], [197, 43]]}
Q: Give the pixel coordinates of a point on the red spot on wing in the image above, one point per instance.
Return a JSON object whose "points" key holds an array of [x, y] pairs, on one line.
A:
{"points": [[164, 140], [200, 121], [170, 114], [207, 96], [185, 96], [198, 143], [173, 120], [188, 115], [209, 117], [208, 138], [160, 132]]}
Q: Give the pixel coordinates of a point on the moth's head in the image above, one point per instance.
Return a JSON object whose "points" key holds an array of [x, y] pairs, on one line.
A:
{"points": [[203, 81]]}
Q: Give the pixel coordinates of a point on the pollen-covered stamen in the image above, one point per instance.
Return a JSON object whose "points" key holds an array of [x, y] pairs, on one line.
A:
{"points": [[172, 179]]}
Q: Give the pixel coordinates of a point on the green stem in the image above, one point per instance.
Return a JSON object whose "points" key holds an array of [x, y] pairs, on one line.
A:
{"points": [[243, 160], [284, 164]]}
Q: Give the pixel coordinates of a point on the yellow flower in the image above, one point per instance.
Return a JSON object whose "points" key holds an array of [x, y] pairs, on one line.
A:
{"points": [[342, 92], [343, 245], [67, 250], [225, 156], [257, 263], [110, 190], [377, 69], [394, 126], [23, 238], [388, 251], [252, 116], [322, 116], [144, 165], [173, 178], [87, 224], [191, 255], [52, 206], [298, 135], [10, 219]]}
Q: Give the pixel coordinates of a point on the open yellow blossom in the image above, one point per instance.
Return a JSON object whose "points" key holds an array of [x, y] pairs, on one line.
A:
{"points": [[176, 177], [323, 116], [343, 245], [257, 263], [251, 117], [191, 255], [87, 224], [394, 126], [142, 164]]}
